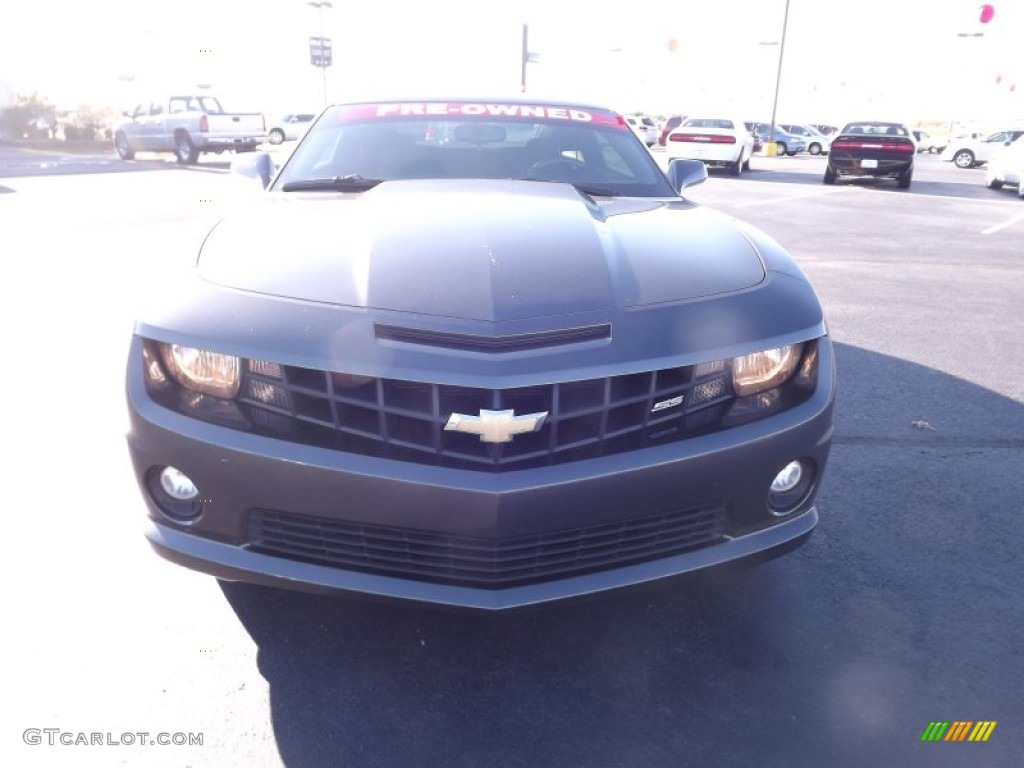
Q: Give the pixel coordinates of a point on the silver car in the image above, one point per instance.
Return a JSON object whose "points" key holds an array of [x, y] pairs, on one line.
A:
{"points": [[817, 142], [290, 127]]}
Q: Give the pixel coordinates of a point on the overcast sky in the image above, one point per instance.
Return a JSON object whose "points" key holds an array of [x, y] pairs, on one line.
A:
{"points": [[897, 59]]}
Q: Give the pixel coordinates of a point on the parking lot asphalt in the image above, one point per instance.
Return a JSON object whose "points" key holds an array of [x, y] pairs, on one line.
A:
{"points": [[904, 607]]}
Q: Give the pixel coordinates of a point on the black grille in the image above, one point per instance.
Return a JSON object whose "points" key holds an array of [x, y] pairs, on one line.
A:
{"points": [[406, 420], [481, 562]]}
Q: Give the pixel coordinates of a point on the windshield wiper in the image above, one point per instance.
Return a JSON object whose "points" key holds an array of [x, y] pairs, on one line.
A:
{"points": [[352, 182], [583, 189]]}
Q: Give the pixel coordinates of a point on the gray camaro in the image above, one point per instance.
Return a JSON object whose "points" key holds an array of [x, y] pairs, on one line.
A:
{"points": [[479, 354]]}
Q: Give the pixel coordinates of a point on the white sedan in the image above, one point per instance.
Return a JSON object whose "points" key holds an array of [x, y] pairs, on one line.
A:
{"points": [[967, 153], [721, 142], [644, 127], [1007, 167]]}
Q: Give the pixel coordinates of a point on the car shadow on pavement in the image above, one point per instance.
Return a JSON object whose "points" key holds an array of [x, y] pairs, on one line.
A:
{"points": [[780, 176], [969, 189], [904, 606]]}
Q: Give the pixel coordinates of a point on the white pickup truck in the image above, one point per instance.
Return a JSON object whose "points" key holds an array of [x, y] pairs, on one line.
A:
{"points": [[187, 126]]}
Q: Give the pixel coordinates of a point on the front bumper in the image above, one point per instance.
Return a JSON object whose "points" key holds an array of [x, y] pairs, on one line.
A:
{"points": [[709, 154], [239, 474], [233, 563], [229, 142]]}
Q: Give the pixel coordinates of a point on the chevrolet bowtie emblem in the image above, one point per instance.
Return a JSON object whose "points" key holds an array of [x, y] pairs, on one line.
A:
{"points": [[496, 426]]}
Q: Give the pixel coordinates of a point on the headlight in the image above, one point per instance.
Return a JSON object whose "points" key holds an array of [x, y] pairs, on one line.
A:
{"points": [[201, 370], [760, 371]]}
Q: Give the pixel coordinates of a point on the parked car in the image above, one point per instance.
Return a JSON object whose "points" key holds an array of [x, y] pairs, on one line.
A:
{"points": [[786, 142], [817, 142], [758, 144], [926, 142], [879, 150], [826, 130], [289, 127], [1007, 167], [479, 373], [715, 141], [670, 125], [969, 152], [644, 127], [187, 125]]}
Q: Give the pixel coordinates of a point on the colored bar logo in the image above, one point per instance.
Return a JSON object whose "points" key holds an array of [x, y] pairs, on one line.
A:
{"points": [[958, 730]]}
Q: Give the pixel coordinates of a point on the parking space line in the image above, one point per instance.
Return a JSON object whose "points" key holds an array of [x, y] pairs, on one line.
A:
{"points": [[787, 198], [1003, 225]]}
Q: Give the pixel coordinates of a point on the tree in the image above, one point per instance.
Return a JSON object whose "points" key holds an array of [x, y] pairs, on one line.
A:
{"points": [[89, 123], [30, 118]]}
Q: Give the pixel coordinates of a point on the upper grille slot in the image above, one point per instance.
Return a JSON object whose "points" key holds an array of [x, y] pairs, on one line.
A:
{"points": [[510, 343]]}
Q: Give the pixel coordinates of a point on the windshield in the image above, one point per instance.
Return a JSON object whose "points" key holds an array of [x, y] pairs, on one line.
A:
{"points": [[206, 104], [590, 148], [703, 122]]}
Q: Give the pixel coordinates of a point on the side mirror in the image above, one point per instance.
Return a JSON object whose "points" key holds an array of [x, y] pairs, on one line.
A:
{"points": [[254, 165], [686, 173]]}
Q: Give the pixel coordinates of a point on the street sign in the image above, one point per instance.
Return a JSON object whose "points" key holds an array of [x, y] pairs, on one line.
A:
{"points": [[320, 51]]}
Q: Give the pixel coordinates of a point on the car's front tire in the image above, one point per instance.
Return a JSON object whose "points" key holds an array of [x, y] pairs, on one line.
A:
{"points": [[124, 150], [780, 149], [964, 159], [276, 136], [814, 149], [992, 182]]}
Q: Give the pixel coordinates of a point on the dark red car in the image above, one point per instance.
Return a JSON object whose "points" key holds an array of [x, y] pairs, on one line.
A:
{"points": [[881, 150], [670, 125]]}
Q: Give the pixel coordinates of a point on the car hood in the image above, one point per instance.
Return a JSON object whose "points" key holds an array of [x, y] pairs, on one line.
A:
{"points": [[480, 250]]}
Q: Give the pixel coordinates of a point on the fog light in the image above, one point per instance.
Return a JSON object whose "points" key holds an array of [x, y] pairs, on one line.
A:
{"points": [[179, 487], [175, 494], [789, 478], [791, 487]]}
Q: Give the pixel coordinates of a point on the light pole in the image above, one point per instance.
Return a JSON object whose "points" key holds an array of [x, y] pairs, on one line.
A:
{"points": [[771, 148], [320, 5], [526, 57], [767, 44]]}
